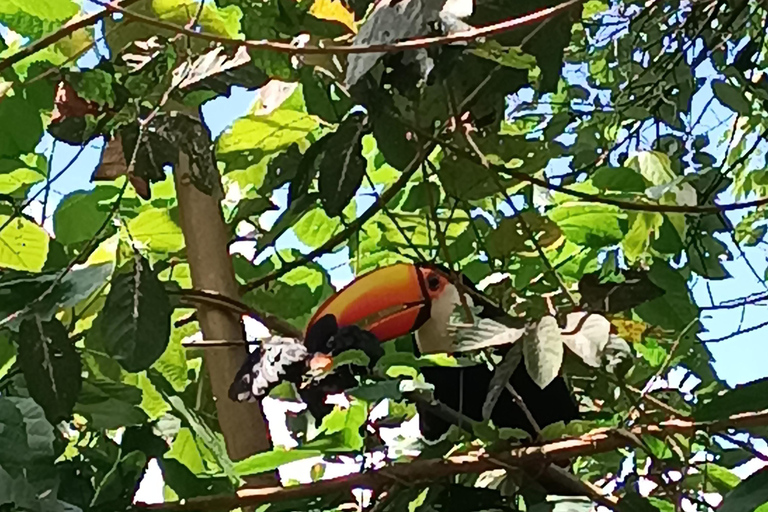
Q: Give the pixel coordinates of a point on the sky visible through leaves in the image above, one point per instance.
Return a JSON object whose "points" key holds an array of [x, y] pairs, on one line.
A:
{"points": [[588, 216], [730, 361]]}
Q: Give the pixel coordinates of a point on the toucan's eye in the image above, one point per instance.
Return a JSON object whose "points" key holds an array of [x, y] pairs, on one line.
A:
{"points": [[433, 282]]}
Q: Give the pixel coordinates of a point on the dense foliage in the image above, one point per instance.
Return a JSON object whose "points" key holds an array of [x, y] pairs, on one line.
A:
{"points": [[564, 163]]}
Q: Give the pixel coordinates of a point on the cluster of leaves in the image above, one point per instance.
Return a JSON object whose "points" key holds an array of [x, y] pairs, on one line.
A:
{"points": [[455, 144]]}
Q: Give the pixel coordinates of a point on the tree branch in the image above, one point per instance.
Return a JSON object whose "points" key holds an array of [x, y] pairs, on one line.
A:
{"points": [[597, 441], [353, 226], [209, 298], [67, 30], [408, 44]]}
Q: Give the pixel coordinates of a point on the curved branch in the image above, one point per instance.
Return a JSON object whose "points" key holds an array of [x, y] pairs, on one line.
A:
{"points": [[428, 470], [210, 298], [408, 44], [67, 30]]}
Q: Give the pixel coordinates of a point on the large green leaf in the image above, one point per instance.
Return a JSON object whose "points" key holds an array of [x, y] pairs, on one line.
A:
{"points": [[158, 229], [593, 225], [23, 244], [315, 228], [17, 176], [51, 366], [81, 214], [251, 138], [135, 322], [23, 133]]}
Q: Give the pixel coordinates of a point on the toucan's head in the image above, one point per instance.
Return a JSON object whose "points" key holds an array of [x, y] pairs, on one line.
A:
{"points": [[391, 302]]}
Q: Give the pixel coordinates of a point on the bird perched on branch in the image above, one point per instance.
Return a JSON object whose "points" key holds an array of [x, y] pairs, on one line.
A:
{"points": [[422, 299], [394, 301]]}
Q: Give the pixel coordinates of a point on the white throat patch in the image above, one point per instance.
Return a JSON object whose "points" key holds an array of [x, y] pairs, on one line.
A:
{"points": [[433, 337]]}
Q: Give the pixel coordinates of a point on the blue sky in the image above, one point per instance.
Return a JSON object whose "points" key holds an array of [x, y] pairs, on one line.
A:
{"points": [[732, 360]]}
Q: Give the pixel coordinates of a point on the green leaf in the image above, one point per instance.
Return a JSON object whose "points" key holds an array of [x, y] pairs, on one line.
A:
{"points": [[466, 179], [743, 398], [341, 165], [373, 393], [7, 354], [271, 460], [353, 356], [158, 229], [53, 10], [212, 441], [323, 98], [340, 430], [748, 495], [618, 179], [252, 137], [643, 227], [23, 244], [731, 96], [315, 228], [654, 166], [110, 405], [81, 214], [16, 177], [221, 21], [51, 366], [185, 450], [421, 195], [672, 310], [136, 319], [45, 294], [507, 239], [513, 57], [592, 225], [22, 135]]}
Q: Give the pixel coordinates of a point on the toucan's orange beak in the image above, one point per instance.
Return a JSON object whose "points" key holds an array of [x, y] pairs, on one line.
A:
{"points": [[389, 302]]}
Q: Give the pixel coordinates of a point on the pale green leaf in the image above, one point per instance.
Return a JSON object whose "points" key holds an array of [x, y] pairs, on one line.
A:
{"points": [[158, 230], [23, 244], [593, 225]]}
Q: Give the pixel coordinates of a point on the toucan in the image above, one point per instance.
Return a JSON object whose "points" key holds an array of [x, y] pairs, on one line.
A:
{"points": [[394, 301]]}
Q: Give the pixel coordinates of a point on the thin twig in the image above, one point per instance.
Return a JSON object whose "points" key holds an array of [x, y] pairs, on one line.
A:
{"points": [[521, 404]]}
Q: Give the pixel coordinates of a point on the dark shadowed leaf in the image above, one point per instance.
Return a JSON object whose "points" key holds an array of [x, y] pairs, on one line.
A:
{"points": [[748, 495], [45, 294], [136, 319], [743, 398], [110, 405], [342, 165], [731, 96], [51, 366]]}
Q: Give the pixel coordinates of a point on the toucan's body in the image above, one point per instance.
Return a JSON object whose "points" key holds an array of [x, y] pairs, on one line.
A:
{"points": [[391, 302], [465, 388]]}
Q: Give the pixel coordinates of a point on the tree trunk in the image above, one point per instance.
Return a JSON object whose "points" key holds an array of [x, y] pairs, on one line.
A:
{"points": [[206, 236]]}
